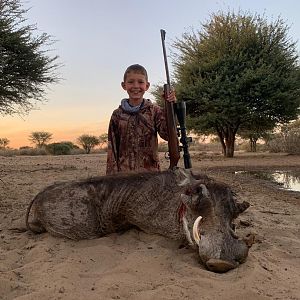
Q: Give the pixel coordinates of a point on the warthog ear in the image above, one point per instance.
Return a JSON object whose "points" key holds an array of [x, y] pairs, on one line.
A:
{"points": [[241, 207], [193, 194], [183, 176], [197, 189], [199, 176]]}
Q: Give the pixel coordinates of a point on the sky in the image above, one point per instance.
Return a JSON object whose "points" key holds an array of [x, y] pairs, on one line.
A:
{"points": [[97, 39]]}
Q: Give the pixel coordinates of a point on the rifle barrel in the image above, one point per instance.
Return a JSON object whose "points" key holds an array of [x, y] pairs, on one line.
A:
{"points": [[163, 37]]}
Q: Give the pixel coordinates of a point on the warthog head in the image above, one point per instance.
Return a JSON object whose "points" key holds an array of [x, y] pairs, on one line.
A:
{"points": [[208, 211]]}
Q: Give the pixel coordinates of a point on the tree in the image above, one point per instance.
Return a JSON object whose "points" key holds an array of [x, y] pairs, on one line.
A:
{"points": [[25, 67], [88, 142], [40, 138], [103, 139], [255, 130], [238, 69], [4, 143]]}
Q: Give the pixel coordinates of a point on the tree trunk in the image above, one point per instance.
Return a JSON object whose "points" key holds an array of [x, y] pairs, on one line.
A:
{"points": [[220, 134], [253, 144], [227, 139]]}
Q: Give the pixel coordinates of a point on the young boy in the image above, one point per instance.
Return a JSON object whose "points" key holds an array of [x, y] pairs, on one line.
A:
{"points": [[133, 127]]}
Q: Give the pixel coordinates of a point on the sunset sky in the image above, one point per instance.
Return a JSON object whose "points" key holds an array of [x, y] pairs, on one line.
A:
{"points": [[97, 40]]}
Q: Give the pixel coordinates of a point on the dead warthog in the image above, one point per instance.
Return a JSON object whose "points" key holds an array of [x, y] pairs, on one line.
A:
{"points": [[175, 204]]}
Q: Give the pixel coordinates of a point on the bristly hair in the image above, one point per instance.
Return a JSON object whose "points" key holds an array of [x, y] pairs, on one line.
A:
{"points": [[136, 68]]}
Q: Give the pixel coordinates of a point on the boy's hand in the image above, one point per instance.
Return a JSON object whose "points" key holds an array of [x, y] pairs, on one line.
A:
{"points": [[171, 96]]}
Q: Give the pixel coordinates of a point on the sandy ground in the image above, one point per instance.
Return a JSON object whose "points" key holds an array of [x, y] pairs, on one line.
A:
{"points": [[135, 265]]}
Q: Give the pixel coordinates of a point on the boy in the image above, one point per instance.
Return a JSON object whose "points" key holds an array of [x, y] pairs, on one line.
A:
{"points": [[133, 127]]}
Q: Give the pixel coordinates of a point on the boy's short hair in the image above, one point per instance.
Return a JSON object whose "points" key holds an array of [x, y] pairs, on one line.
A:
{"points": [[136, 68]]}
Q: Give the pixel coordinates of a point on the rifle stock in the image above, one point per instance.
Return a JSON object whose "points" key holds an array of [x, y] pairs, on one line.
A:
{"points": [[173, 143]]}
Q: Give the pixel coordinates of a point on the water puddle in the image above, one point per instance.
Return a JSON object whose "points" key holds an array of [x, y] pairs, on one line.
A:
{"points": [[285, 179]]}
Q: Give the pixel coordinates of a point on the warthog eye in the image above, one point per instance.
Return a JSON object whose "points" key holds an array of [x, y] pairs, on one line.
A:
{"points": [[199, 190], [188, 191]]}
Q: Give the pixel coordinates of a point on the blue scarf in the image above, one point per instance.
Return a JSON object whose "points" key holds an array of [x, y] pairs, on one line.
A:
{"points": [[130, 109]]}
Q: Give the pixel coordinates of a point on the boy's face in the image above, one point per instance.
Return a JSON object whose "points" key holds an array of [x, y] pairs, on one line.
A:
{"points": [[136, 85]]}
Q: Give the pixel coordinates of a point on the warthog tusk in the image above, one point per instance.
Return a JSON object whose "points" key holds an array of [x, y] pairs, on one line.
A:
{"points": [[186, 231], [196, 235]]}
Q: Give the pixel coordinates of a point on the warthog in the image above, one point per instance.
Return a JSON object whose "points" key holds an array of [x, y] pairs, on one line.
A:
{"points": [[175, 204]]}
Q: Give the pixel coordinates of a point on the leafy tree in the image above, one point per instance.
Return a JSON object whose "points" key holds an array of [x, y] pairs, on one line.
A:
{"points": [[40, 138], [238, 69], [253, 137], [4, 143], [158, 91], [103, 139], [255, 130], [25, 67], [88, 142]]}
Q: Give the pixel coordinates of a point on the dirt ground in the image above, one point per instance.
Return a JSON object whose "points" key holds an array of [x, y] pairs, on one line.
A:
{"points": [[135, 265]]}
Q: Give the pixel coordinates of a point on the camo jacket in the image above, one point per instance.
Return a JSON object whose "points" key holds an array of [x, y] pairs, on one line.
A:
{"points": [[133, 141]]}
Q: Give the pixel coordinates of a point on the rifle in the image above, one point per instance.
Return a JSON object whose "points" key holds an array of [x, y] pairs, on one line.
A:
{"points": [[178, 109]]}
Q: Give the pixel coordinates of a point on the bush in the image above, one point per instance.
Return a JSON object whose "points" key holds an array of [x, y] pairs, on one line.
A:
{"points": [[245, 146], [293, 142], [276, 145], [8, 152], [70, 144], [77, 151], [289, 143], [59, 148], [206, 147], [29, 151]]}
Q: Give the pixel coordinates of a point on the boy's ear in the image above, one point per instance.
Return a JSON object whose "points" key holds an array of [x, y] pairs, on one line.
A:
{"points": [[123, 85], [147, 85]]}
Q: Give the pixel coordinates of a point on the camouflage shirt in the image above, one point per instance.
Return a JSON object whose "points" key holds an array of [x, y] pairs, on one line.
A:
{"points": [[132, 139]]}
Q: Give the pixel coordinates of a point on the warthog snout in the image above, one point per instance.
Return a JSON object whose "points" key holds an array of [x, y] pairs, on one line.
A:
{"points": [[219, 265], [221, 254]]}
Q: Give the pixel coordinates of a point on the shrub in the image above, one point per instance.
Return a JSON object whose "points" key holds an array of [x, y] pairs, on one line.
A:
{"points": [[70, 144], [207, 147], [8, 152], [292, 142], [77, 151], [29, 151], [59, 148], [289, 143], [245, 146]]}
